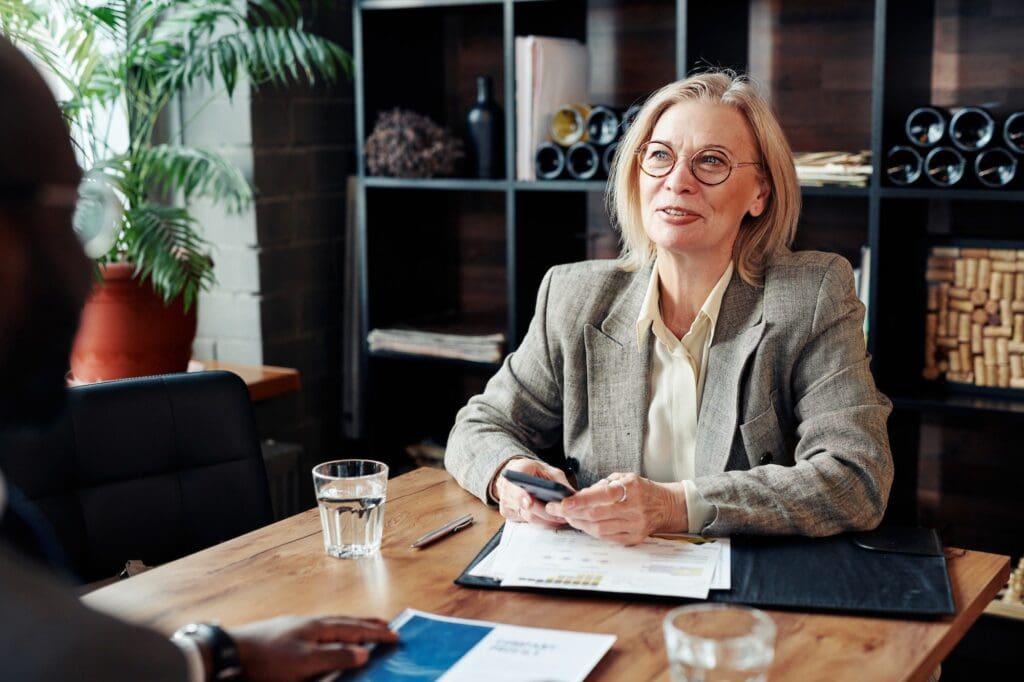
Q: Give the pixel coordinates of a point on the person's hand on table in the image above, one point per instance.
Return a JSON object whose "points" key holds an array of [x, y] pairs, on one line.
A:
{"points": [[517, 505], [297, 648], [624, 508]]}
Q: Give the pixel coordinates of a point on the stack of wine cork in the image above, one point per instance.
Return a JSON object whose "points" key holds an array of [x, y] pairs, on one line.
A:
{"points": [[974, 328], [1014, 591]]}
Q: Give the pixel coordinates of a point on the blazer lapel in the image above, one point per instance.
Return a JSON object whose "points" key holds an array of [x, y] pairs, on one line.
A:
{"points": [[738, 332], [617, 383]]}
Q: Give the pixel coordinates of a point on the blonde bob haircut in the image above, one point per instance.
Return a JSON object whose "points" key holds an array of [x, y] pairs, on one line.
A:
{"points": [[759, 237]]}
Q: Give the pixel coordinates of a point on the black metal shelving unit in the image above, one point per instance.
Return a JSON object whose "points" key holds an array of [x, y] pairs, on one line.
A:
{"points": [[421, 55]]}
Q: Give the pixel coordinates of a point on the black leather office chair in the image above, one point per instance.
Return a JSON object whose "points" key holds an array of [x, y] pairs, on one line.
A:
{"points": [[152, 468]]}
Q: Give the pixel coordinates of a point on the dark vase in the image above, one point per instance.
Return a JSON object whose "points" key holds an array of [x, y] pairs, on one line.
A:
{"points": [[484, 124]]}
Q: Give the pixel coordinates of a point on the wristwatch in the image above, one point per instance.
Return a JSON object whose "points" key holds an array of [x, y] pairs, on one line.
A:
{"points": [[220, 650]]}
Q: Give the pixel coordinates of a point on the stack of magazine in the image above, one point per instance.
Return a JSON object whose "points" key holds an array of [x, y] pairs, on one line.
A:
{"points": [[847, 169], [471, 347]]}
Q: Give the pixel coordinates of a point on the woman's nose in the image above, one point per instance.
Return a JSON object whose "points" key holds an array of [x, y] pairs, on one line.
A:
{"points": [[681, 179]]}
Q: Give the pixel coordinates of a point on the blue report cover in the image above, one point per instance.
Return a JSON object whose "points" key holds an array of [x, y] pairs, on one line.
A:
{"points": [[427, 648], [433, 647]]}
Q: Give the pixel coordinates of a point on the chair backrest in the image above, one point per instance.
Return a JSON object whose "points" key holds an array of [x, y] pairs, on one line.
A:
{"points": [[151, 468]]}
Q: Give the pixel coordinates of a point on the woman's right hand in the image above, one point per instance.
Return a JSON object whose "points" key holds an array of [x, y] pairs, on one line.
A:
{"points": [[517, 505]]}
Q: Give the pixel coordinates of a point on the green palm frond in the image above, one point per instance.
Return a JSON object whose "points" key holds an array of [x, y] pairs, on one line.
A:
{"points": [[277, 55], [166, 248], [193, 171], [17, 20], [65, 50], [139, 55]]}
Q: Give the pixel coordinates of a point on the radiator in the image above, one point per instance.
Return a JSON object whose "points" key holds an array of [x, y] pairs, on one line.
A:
{"points": [[282, 461]]}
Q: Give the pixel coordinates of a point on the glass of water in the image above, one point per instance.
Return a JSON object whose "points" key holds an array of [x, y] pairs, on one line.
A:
{"points": [[719, 643], [351, 495]]}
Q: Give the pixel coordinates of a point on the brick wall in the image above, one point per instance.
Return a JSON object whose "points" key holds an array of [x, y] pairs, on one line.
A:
{"points": [[303, 150], [229, 315], [279, 265]]}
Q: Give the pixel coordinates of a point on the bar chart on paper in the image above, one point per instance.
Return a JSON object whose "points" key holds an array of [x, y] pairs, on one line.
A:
{"points": [[679, 566]]}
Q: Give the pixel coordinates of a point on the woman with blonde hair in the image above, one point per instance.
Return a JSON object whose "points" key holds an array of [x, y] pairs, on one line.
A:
{"points": [[710, 380]]}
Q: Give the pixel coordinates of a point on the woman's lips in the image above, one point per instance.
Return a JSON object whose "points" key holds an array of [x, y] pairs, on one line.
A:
{"points": [[678, 216]]}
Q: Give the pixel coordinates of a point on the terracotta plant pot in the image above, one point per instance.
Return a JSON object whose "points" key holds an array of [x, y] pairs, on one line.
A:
{"points": [[127, 331]]}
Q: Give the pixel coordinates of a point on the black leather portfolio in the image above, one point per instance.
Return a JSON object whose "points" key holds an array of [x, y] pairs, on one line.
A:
{"points": [[890, 571]]}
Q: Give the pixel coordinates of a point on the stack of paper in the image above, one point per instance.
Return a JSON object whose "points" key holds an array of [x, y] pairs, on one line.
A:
{"points": [[433, 647], [673, 565], [815, 169], [475, 348], [550, 73]]}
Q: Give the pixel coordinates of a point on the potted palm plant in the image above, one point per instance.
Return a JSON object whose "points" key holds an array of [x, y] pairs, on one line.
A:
{"points": [[133, 58]]}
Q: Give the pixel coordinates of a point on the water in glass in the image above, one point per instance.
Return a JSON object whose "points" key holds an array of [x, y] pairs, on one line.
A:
{"points": [[719, 643], [352, 525], [351, 494], [696, 666]]}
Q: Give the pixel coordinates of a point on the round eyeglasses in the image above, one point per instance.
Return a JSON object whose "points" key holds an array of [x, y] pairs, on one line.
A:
{"points": [[709, 166]]}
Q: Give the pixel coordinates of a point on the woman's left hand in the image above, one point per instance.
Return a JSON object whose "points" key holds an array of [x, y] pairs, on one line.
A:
{"points": [[625, 508]]}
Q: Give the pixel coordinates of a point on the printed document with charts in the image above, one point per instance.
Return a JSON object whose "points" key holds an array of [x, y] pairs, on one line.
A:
{"points": [[665, 564]]}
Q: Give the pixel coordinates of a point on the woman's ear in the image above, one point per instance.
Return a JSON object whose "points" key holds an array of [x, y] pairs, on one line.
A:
{"points": [[761, 200]]}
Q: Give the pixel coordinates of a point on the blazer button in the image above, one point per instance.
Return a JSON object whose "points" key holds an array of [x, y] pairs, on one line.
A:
{"points": [[766, 458], [572, 464]]}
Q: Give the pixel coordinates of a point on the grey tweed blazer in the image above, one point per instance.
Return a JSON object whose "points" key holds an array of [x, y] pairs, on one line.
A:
{"points": [[791, 435]]}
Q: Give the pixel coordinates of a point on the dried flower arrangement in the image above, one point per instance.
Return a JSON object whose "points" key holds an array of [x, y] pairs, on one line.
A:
{"points": [[405, 144]]}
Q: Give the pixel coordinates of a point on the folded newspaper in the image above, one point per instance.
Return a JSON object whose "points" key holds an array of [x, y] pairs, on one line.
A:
{"points": [[475, 348], [849, 169]]}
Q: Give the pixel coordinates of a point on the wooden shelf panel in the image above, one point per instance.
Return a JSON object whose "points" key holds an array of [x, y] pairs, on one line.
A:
{"points": [[834, 191], [960, 404], [560, 185], [434, 360], [950, 194], [446, 184], [423, 4]]}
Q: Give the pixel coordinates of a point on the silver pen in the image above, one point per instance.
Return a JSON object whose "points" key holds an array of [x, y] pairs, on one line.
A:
{"points": [[444, 531]]}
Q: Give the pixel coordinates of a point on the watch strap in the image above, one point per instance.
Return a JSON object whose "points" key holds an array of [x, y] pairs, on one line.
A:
{"points": [[225, 663]]}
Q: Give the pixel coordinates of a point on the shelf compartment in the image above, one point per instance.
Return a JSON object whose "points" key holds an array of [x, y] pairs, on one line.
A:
{"points": [[815, 60], [950, 54], [907, 229], [550, 230], [632, 47], [630, 50], [837, 223], [417, 401], [436, 258], [430, 60]]}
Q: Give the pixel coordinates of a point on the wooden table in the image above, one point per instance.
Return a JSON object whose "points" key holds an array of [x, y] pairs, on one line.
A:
{"points": [[282, 569], [264, 381]]}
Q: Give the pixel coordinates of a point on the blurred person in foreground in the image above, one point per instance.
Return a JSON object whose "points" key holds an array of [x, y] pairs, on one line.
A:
{"points": [[710, 380], [45, 632]]}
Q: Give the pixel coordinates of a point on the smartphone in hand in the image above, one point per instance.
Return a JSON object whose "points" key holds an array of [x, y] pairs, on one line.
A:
{"points": [[540, 488]]}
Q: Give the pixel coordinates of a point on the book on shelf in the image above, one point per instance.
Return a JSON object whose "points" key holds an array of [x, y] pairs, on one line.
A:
{"points": [[862, 280], [846, 169], [471, 347], [550, 73]]}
